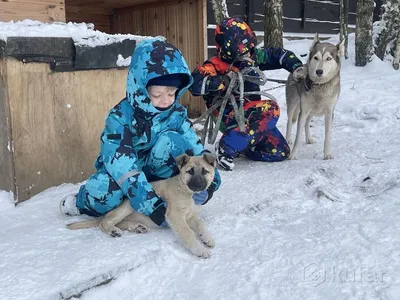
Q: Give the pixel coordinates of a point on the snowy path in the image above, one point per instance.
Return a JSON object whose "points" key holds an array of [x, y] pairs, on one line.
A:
{"points": [[304, 229]]}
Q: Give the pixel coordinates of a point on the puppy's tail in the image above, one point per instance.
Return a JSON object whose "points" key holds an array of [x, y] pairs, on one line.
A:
{"points": [[84, 224]]}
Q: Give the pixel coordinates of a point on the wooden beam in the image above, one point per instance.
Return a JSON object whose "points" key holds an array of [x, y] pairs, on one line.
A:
{"points": [[203, 29], [17, 11]]}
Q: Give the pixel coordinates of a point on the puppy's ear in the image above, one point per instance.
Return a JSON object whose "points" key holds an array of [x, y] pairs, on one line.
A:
{"points": [[182, 160], [315, 41], [340, 48], [209, 158]]}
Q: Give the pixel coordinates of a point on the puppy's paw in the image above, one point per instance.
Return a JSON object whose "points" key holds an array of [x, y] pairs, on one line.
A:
{"points": [[200, 251], [207, 239], [116, 232], [292, 156], [328, 156], [140, 228], [110, 229]]}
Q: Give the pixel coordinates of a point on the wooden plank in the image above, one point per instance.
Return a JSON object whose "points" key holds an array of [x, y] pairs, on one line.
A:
{"points": [[100, 17], [99, 21], [202, 28], [76, 9], [13, 11], [6, 146], [46, 2], [110, 4]]}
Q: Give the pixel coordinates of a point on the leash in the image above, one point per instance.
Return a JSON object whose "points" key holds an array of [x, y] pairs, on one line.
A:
{"points": [[236, 85]]}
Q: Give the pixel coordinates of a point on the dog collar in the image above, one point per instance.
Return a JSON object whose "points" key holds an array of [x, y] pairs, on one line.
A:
{"points": [[308, 83]]}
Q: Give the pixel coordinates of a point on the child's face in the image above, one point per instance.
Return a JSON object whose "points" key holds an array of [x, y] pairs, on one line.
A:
{"points": [[162, 96]]}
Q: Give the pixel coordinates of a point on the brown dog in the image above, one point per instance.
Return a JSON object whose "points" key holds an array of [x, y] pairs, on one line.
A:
{"points": [[196, 174]]}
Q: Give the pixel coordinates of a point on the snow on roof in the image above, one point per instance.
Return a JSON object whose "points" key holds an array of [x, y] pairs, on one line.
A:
{"points": [[83, 34]]}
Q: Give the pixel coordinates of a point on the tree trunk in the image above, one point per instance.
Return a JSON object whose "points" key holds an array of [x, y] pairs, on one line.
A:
{"points": [[365, 10], [385, 30], [220, 10], [396, 58], [273, 23], [344, 25]]}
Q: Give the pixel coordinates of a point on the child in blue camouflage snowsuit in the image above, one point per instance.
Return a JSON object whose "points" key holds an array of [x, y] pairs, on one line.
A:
{"points": [[142, 136], [261, 140]]}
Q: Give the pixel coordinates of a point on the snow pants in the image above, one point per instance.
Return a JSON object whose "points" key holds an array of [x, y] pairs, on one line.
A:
{"points": [[101, 193], [261, 140]]}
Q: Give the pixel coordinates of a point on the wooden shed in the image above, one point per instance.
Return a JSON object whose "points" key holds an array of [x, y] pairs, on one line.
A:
{"points": [[54, 94], [182, 22]]}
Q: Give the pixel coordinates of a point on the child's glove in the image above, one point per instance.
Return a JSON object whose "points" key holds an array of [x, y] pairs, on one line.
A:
{"points": [[200, 198], [242, 64], [210, 191], [218, 83], [300, 73]]}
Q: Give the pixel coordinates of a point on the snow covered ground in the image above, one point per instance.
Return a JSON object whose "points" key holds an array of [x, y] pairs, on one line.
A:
{"points": [[304, 229]]}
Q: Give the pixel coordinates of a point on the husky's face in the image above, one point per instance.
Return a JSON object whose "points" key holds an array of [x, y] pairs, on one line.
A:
{"points": [[197, 172], [324, 60]]}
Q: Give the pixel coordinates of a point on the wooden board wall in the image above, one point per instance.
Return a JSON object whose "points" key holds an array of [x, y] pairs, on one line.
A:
{"points": [[6, 154], [56, 121], [99, 16], [46, 11], [181, 22], [97, 12]]}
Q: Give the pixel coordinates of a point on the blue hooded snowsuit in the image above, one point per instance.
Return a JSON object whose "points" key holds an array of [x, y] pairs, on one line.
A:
{"points": [[139, 142]]}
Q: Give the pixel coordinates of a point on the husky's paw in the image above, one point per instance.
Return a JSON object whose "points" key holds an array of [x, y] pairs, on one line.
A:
{"points": [[207, 239], [328, 156], [200, 251], [293, 156], [310, 140]]}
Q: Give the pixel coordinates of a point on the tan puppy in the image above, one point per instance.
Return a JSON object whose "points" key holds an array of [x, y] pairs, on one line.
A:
{"points": [[196, 174]]}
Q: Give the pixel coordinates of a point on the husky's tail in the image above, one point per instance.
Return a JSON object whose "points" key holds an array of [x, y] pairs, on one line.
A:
{"points": [[84, 224]]}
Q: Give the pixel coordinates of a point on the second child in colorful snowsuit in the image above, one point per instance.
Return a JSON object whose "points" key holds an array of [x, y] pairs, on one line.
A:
{"points": [[261, 141]]}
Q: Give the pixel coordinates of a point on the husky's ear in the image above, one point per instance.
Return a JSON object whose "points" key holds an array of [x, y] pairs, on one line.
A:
{"points": [[315, 41], [209, 158], [182, 160], [340, 48]]}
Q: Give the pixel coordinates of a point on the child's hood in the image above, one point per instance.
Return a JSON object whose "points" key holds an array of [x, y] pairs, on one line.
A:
{"points": [[233, 38], [153, 58]]}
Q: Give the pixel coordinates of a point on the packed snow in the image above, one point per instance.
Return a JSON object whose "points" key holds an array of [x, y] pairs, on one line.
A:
{"points": [[309, 229]]}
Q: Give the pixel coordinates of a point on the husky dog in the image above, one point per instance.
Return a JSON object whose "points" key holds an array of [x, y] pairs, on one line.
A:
{"points": [[196, 173], [316, 94]]}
